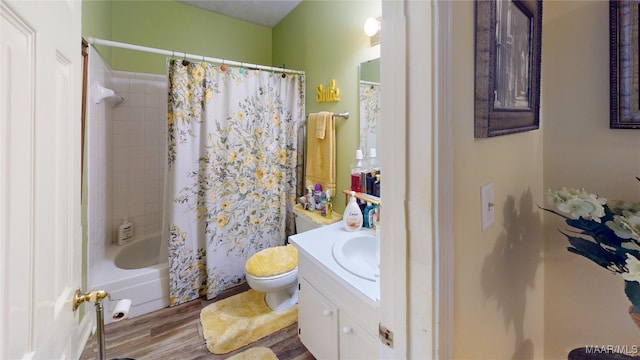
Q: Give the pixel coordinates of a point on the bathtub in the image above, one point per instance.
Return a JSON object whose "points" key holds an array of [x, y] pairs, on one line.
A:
{"points": [[133, 271]]}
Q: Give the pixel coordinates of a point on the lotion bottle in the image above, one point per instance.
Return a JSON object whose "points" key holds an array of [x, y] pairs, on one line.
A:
{"points": [[352, 215], [125, 231]]}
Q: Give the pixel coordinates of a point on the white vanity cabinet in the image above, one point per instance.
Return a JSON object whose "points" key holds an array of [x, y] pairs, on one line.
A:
{"points": [[318, 323], [356, 342], [335, 320]]}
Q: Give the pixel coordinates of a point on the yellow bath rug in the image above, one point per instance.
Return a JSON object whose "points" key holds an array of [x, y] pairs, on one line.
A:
{"points": [[236, 321], [256, 353]]}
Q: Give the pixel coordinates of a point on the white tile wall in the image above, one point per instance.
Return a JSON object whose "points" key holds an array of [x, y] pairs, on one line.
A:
{"points": [[125, 157], [139, 151], [98, 138]]}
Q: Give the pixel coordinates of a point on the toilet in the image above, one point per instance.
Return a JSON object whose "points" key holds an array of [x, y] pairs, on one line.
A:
{"points": [[274, 271]]}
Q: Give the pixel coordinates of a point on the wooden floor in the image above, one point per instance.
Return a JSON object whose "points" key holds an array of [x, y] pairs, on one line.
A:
{"points": [[176, 333]]}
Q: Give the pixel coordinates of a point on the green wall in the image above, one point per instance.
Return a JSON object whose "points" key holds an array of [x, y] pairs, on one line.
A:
{"points": [[96, 22], [171, 25], [322, 37], [326, 39]]}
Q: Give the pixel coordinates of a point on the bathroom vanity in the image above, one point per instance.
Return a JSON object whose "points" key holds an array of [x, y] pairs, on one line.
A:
{"points": [[338, 311]]}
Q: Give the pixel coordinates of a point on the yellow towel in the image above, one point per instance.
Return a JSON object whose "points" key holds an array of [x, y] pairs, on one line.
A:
{"points": [[321, 124], [320, 164]]}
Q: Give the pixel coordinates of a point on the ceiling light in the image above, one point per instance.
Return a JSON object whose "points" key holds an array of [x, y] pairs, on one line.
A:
{"points": [[371, 26]]}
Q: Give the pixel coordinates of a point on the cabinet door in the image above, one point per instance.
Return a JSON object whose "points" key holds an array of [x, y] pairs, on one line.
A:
{"points": [[355, 342], [317, 322]]}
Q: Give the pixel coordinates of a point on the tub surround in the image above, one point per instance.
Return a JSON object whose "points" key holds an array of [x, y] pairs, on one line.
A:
{"points": [[338, 311], [146, 286], [126, 154]]}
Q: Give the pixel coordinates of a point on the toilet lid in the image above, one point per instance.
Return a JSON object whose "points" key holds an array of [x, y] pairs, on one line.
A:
{"points": [[272, 261]]}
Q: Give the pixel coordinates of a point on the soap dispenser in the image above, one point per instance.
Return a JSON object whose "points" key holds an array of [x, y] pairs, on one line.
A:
{"points": [[352, 215]]}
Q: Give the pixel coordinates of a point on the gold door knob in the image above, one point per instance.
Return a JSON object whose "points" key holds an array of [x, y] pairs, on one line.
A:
{"points": [[93, 296]]}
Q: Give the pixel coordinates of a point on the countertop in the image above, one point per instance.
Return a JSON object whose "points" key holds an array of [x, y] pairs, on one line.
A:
{"points": [[317, 244]]}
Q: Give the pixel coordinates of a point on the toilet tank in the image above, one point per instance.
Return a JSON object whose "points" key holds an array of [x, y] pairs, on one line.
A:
{"points": [[306, 220]]}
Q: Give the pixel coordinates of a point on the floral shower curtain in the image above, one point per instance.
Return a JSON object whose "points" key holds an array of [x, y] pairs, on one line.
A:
{"points": [[231, 174], [369, 112]]}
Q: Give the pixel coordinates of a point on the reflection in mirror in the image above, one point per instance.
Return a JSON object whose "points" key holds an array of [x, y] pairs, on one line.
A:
{"points": [[369, 104]]}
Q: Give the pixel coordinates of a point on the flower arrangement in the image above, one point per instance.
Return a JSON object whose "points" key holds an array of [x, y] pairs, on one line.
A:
{"points": [[609, 234]]}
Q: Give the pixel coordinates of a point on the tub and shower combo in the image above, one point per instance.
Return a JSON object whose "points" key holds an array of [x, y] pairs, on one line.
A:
{"points": [[126, 140], [126, 154], [136, 271]]}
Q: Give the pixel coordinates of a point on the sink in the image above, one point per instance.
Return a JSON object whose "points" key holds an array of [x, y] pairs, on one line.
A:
{"points": [[358, 255]]}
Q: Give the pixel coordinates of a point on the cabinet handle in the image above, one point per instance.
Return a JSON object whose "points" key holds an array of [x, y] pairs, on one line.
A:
{"points": [[347, 330], [327, 312]]}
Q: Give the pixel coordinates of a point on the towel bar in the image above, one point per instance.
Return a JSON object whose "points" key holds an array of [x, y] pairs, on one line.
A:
{"points": [[344, 114]]}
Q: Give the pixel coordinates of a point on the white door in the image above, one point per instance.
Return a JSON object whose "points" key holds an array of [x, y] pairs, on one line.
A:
{"points": [[40, 231]]}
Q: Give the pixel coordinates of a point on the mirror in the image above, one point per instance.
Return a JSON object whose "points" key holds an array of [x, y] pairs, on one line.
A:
{"points": [[369, 104]]}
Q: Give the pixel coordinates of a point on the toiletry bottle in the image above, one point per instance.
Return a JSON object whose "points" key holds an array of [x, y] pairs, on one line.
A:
{"points": [[366, 219], [357, 166], [125, 231], [312, 204], [370, 181], [372, 161], [312, 201], [317, 195], [352, 215], [329, 206], [371, 215], [303, 202], [323, 206], [376, 186]]}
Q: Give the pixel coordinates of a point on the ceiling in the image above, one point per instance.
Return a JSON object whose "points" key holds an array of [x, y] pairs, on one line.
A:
{"points": [[262, 12]]}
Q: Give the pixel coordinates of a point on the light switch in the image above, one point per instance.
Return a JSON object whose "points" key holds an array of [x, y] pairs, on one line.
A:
{"points": [[487, 205]]}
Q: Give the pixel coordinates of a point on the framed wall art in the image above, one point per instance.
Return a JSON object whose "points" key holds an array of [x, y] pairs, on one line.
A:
{"points": [[623, 64], [507, 66]]}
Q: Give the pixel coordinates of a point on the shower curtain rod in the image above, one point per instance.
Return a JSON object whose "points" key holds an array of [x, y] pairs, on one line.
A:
{"points": [[369, 82], [121, 45]]}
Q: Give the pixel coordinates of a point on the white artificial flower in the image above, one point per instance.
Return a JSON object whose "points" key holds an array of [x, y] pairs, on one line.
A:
{"points": [[625, 226], [618, 207], [618, 227], [578, 203], [561, 195], [633, 269]]}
